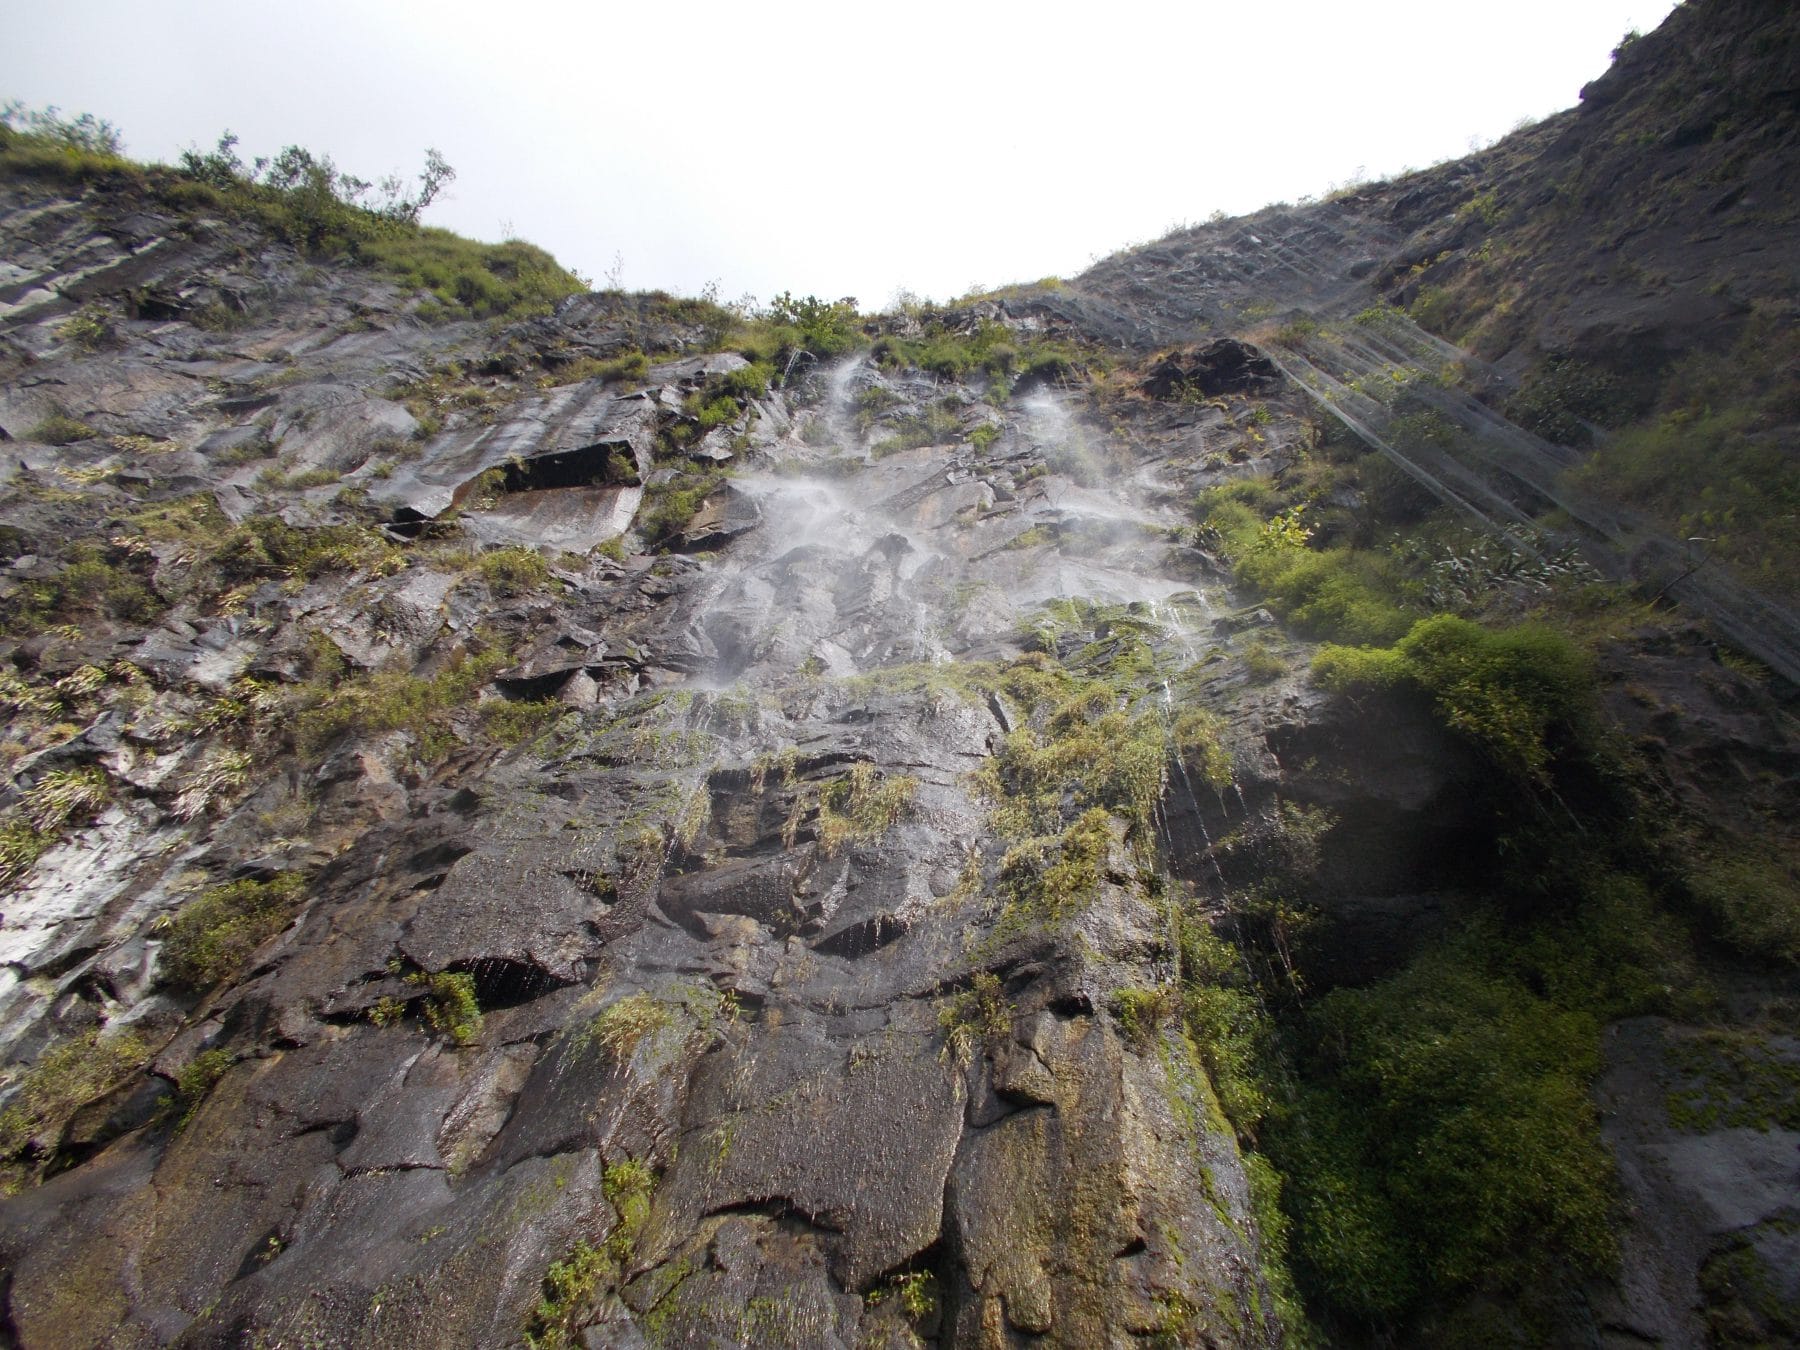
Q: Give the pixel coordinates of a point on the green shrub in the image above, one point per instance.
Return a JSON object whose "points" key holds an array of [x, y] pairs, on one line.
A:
{"points": [[1518, 693], [510, 280], [214, 935], [196, 1079], [1342, 593], [395, 701], [512, 572], [451, 1008], [64, 1078], [61, 429], [1444, 1141], [513, 722]]}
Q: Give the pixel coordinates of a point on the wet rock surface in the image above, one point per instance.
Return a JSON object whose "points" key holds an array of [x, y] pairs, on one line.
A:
{"points": [[479, 896]]}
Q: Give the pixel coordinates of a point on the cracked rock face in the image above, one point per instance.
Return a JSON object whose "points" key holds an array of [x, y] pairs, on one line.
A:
{"points": [[706, 976]]}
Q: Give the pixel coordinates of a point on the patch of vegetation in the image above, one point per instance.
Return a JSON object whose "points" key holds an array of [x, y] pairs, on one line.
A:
{"points": [[305, 199], [627, 367], [194, 1080], [1261, 664], [61, 429], [669, 507], [109, 581], [267, 547], [516, 721], [862, 805], [568, 1285], [42, 143], [213, 936], [1714, 458], [789, 326], [1523, 694], [450, 1008], [395, 701], [622, 1025], [915, 1291], [44, 1096], [87, 330], [1338, 592], [448, 390], [510, 572], [1750, 894], [1443, 1140], [987, 348], [1744, 1302], [468, 279], [938, 425], [1142, 1013], [978, 1013], [1563, 399], [1732, 1079]]}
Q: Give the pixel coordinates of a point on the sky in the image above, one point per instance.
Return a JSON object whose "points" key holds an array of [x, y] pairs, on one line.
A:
{"points": [[839, 149]]}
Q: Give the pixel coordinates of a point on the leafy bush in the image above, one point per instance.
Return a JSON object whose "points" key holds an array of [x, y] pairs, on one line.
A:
{"points": [[42, 143], [214, 935], [1518, 693], [1339, 592], [1443, 1140]]}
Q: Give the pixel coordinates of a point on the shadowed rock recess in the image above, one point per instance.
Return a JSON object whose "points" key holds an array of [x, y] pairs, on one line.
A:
{"points": [[1210, 804]]}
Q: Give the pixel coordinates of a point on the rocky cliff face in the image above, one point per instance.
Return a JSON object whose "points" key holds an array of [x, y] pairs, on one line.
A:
{"points": [[556, 832]]}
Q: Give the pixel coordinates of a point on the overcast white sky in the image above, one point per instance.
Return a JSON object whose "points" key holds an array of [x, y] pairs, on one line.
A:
{"points": [[838, 149]]}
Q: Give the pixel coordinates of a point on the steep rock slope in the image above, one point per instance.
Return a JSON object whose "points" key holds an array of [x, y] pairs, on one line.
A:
{"points": [[558, 831]]}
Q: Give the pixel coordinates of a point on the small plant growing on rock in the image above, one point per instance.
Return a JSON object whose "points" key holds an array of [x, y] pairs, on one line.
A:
{"points": [[621, 1026], [860, 806], [195, 1080], [220, 774], [63, 795], [977, 1013], [512, 572], [63, 1079], [1142, 1012], [567, 1285], [61, 429], [214, 935], [88, 330], [451, 1008]]}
